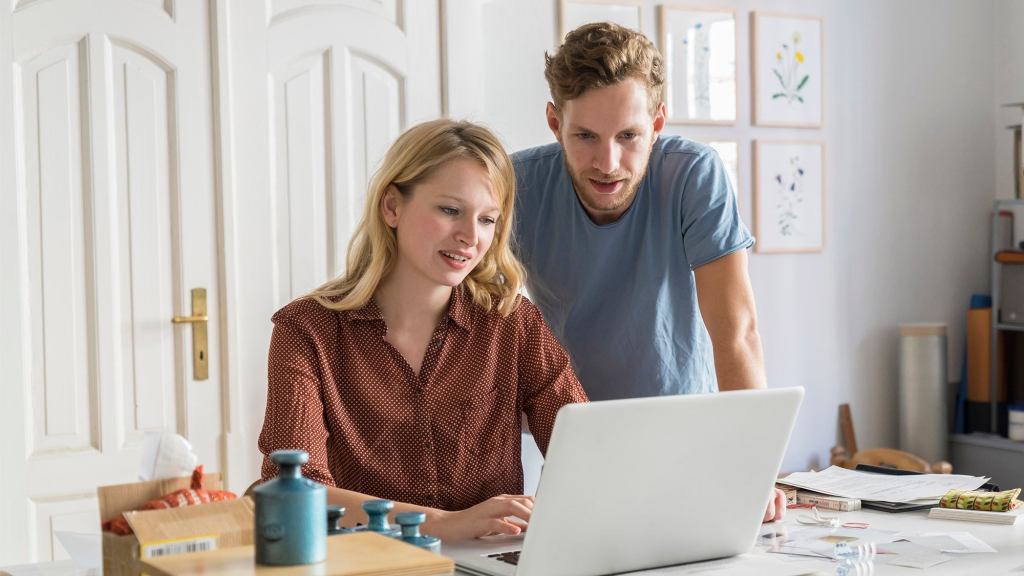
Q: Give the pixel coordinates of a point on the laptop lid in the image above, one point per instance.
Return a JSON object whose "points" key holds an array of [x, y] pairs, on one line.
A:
{"points": [[642, 483]]}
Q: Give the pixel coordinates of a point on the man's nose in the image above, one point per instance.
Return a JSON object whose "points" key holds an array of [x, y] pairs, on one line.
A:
{"points": [[607, 159]]}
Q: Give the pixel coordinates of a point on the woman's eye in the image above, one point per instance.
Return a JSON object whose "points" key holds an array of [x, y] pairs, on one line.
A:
{"points": [[488, 220], [450, 211]]}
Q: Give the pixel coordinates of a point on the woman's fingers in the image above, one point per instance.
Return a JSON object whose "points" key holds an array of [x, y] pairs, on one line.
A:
{"points": [[776, 506], [499, 526]]}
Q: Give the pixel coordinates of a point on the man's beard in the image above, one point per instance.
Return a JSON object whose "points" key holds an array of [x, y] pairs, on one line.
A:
{"points": [[585, 192]]}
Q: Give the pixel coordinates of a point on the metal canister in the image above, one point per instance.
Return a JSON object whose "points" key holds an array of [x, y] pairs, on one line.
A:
{"points": [[290, 512]]}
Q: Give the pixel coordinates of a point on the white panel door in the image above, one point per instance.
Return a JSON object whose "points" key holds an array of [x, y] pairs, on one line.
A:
{"points": [[318, 90], [110, 222]]}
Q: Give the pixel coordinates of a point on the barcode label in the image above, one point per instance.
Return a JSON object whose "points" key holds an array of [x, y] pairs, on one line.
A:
{"points": [[182, 546]]}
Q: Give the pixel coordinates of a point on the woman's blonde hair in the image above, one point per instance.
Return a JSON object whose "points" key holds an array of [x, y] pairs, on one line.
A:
{"points": [[411, 160]]}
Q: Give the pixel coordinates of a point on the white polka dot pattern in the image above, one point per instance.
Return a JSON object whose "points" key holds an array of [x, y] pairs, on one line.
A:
{"points": [[446, 438]]}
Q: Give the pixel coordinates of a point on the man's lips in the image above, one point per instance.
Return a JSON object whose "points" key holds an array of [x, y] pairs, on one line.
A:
{"points": [[605, 187]]}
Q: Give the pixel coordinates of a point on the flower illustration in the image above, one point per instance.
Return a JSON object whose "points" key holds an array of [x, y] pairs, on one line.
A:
{"points": [[789, 198], [787, 71], [698, 37]]}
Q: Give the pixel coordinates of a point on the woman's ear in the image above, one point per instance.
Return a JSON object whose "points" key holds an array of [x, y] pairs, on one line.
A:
{"points": [[391, 206]]}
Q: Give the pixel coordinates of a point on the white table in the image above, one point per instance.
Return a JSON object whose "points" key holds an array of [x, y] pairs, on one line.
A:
{"points": [[1007, 540]]}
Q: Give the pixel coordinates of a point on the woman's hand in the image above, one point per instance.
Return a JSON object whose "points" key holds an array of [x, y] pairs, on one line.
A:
{"points": [[776, 507], [503, 514]]}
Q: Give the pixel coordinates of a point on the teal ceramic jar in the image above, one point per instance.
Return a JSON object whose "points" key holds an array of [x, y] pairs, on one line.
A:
{"points": [[290, 512]]}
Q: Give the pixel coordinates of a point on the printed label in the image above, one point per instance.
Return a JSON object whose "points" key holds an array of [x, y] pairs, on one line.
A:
{"points": [[179, 546]]}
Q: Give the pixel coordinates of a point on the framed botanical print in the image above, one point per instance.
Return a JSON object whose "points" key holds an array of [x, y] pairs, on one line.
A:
{"points": [[786, 70], [699, 50], [789, 196]]}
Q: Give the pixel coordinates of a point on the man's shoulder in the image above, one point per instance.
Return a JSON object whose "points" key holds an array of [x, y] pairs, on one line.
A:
{"points": [[537, 156], [679, 148]]}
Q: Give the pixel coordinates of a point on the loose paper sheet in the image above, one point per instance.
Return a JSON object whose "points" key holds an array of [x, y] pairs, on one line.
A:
{"points": [[887, 488]]}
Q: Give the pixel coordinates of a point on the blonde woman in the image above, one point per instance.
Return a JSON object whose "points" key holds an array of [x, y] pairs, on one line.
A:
{"points": [[405, 377]]}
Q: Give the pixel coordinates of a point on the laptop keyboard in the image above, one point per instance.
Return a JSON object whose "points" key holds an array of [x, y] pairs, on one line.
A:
{"points": [[507, 557]]}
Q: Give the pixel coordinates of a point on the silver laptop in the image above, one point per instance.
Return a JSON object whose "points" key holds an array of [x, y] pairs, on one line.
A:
{"points": [[634, 484]]}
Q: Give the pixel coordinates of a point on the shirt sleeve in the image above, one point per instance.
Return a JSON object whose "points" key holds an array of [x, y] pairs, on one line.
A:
{"points": [[546, 378], [295, 413], [710, 218]]}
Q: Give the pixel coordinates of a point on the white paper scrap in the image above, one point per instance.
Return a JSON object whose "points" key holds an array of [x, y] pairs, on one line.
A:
{"points": [[166, 455], [84, 549], [953, 542], [922, 561]]}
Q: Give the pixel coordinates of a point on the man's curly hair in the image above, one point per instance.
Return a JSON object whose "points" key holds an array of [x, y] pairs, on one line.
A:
{"points": [[602, 54]]}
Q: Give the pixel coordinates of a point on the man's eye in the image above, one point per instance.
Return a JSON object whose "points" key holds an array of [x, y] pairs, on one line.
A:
{"points": [[629, 135], [585, 136]]}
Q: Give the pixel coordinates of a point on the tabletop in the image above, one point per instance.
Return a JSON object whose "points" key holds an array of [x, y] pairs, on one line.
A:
{"points": [[1008, 541]]}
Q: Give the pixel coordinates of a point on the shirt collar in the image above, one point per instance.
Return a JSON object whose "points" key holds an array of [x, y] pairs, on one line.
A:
{"points": [[459, 309]]}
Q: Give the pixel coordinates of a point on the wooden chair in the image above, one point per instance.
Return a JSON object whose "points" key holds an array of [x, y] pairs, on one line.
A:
{"points": [[849, 457]]}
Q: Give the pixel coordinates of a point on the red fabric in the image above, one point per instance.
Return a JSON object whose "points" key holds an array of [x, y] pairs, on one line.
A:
{"points": [[193, 495]]}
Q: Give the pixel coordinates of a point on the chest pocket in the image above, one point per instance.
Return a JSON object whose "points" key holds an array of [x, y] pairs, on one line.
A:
{"points": [[474, 421]]}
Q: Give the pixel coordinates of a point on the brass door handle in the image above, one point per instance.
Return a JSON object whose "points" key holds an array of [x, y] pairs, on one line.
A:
{"points": [[188, 319], [198, 320]]}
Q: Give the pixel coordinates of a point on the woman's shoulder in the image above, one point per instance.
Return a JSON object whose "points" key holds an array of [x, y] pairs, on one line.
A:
{"points": [[305, 314], [523, 312]]}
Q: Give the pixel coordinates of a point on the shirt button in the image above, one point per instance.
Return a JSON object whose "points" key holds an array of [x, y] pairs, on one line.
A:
{"points": [[428, 445], [418, 391]]}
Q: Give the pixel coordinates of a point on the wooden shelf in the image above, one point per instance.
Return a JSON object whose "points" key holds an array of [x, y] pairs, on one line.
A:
{"points": [[1010, 256]]}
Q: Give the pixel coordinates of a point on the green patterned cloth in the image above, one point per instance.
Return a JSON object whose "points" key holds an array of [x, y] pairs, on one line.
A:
{"points": [[976, 500]]}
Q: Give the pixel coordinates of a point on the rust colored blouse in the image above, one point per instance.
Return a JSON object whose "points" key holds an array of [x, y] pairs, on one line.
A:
{"points": [[448, 437]]}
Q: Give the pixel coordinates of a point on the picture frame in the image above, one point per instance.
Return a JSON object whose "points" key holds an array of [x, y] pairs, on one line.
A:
{"points": [[699, 46], [789, 196], [575, 13], [787, 67]]}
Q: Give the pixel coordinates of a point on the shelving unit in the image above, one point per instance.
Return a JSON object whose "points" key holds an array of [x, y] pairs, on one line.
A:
{"points": [[993, 454]]}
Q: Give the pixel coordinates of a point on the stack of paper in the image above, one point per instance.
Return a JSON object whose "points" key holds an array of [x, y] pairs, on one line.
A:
{"points": [[911, 488], [1010, 517]]}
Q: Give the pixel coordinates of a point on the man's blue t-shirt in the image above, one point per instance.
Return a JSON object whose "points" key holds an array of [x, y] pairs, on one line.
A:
{"points": [[621, 297]]}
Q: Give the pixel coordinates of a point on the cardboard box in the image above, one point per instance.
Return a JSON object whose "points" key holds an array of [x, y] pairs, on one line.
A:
{"points": [[172, 531]]}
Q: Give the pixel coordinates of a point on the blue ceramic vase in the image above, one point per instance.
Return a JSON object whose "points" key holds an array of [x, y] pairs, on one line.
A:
{"points": [[290, 512]]}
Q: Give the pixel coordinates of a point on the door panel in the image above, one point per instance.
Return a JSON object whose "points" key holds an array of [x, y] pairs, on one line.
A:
{"points": [[337, 77], [63, 384], [149, 257]]}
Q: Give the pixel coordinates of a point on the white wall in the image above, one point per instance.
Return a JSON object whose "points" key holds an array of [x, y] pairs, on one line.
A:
{"points": [[1009, 87], [911, 171]]}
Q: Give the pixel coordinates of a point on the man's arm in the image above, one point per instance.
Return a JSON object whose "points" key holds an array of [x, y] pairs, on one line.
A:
{"points": [[726, 302]]}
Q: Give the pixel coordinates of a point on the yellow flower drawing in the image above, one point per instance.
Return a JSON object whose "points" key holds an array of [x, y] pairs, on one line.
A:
{"points": [[787, 71]]}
